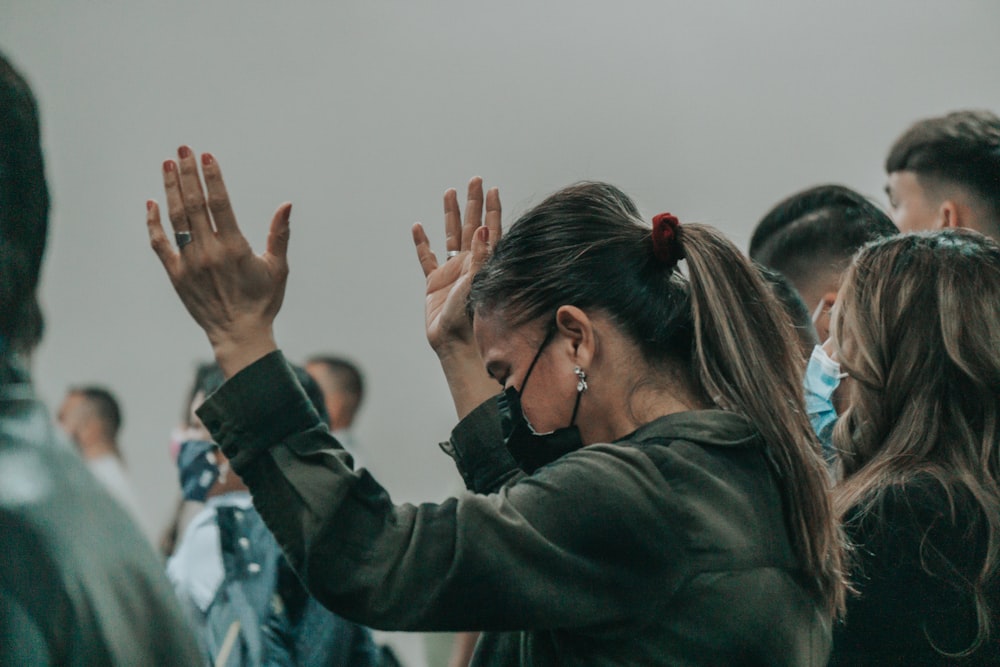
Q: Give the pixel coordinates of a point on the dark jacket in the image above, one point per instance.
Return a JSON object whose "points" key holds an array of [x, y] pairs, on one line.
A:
{"points": [[79, 584], [916, 552], [668, 547]]}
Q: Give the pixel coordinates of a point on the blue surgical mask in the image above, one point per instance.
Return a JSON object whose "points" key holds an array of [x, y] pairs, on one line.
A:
{"points": [[198, 467], [822, 377], [529, 448]]}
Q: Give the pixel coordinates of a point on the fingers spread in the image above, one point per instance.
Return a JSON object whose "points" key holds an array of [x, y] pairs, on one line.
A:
{"points": [[473, 211], [493, 214], [158, 239], [426, 257], [193, 196], [452, 221], [218, 198]]}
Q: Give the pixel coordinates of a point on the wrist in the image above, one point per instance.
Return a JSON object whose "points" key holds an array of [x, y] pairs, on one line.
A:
{"points": [[235, 351], [458, 352]]}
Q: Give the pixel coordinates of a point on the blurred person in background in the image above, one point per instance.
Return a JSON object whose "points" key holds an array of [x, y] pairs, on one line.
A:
{"points": [[246, 602], [343, 388], [91, 418], [79, 584]]}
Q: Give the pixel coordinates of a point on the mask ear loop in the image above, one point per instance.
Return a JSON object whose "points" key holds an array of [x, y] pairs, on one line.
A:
{"points": [[545, 342]]}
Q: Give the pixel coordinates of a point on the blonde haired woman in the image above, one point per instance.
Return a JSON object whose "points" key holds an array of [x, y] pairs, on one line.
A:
{"points": [[918, 332]]}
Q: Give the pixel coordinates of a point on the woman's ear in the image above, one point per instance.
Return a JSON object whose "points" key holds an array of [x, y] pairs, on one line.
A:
{"points": [[576, 327]]}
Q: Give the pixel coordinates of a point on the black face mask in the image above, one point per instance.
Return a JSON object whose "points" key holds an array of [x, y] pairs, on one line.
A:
{"points": [[530, 449]]}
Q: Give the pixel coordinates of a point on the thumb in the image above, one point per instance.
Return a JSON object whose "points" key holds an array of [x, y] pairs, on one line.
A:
{"points": [[277, 238]]}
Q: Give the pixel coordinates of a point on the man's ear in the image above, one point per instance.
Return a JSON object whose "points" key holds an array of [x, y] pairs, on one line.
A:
{"points": [[576, 327], [821, 316], [950, 215]]}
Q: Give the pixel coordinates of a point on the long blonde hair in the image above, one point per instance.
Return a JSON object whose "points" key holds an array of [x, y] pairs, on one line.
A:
{"points": [[918, 331]]}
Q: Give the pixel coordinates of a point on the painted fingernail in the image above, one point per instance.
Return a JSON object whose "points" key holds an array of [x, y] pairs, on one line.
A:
{"points": [[149, 204], [484, 234], [183, 152], [168, 165], [206, 159]]}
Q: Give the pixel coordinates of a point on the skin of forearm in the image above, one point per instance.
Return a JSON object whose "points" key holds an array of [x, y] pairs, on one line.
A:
{"points": [[467, 379]]}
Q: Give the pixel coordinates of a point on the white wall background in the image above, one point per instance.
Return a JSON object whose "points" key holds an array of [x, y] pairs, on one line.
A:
{"points": [[362, 113]]}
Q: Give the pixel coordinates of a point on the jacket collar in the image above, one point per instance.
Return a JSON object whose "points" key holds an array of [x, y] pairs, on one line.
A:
{"points": [[706, 427]]}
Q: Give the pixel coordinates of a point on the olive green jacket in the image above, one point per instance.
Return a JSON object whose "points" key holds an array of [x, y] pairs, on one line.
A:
{"points": [[665, 548]]}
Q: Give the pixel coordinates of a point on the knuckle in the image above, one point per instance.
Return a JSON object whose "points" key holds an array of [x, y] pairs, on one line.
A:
{"points": [[176, 214], [218, 203], [192, 207]]}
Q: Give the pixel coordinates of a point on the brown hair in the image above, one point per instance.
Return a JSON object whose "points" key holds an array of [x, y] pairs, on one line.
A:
{"points": [[918, 328], [960, 148], [24, 212], [722, 328]]}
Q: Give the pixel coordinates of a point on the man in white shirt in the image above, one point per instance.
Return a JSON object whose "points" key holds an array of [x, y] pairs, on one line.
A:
{"points": [[91, 418]]}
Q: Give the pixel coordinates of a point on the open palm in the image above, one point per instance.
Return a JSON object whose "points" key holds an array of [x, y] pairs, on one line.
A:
{"points": [[468, 244]]}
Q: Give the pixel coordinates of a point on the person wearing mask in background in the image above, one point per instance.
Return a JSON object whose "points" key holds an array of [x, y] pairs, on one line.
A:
{"points": [[916, 327], [810, 238], [944, 172], [248, 606], [91, 418], [676, 510], [79, 584]]}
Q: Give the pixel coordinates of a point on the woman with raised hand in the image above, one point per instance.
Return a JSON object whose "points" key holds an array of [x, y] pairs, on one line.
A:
{"points": [[917, 329], [646, 489]]}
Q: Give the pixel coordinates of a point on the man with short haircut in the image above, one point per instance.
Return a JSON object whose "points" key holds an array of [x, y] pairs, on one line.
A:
{"points": [[343, 390], [79, 584], [810, 238], [945, 172], [91, 418]]}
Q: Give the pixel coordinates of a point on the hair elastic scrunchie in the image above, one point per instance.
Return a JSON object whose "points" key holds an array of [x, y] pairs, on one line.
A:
{"points": [[666, 248]]}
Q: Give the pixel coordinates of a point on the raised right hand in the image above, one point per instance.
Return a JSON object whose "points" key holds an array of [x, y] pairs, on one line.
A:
{"points": [[449, 329], [468, 245]]}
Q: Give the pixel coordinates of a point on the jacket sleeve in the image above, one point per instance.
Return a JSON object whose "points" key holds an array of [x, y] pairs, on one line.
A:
{"points": [[477, 447], [578, 543]]}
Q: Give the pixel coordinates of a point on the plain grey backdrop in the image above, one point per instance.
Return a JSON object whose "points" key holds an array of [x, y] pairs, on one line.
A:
{"points": [[363, 113]]}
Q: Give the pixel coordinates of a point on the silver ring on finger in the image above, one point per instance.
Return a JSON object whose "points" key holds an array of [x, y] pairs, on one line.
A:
{"points": [[452, 253], [182, 239]]}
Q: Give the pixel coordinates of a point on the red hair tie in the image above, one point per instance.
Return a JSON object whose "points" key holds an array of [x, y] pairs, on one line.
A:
{"points": [[666, 247]]}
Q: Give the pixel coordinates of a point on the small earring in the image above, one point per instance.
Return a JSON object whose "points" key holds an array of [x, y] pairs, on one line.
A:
{"points": [[581, 385]]}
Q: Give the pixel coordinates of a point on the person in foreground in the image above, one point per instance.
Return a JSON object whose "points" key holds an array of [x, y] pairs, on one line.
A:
{"points": [[916, 330], [676, 514], [79, 583]]}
